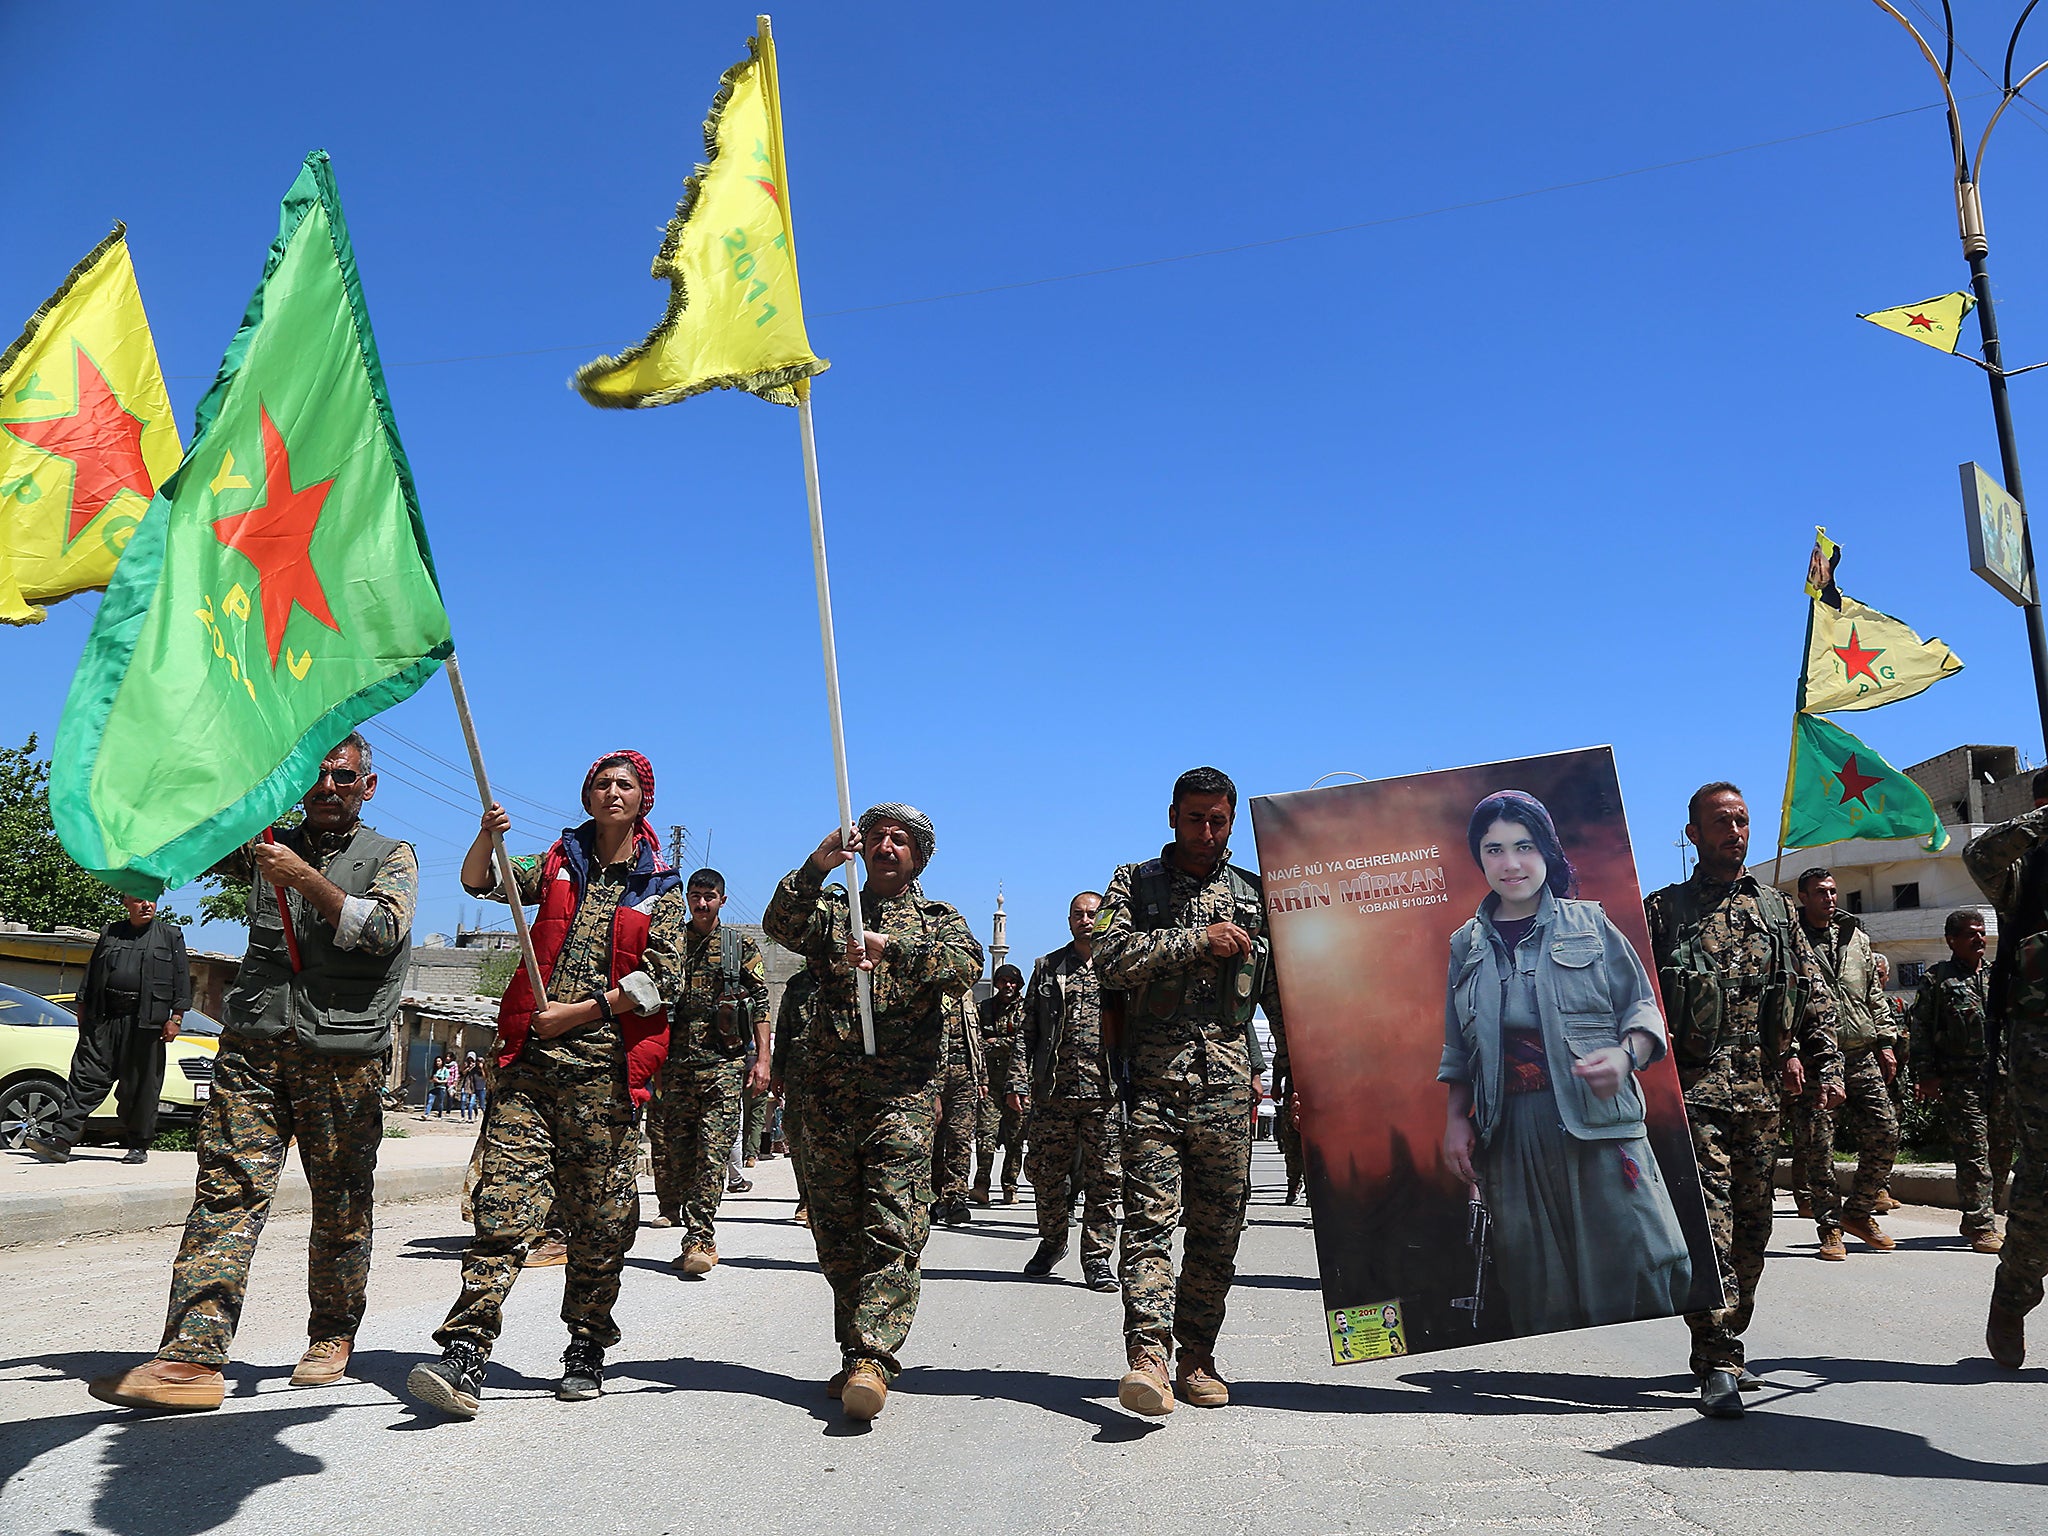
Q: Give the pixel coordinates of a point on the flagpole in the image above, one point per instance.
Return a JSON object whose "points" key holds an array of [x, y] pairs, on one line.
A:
{"points": [[1798, 708], [864, 983], [284, 916], [507, 880]]}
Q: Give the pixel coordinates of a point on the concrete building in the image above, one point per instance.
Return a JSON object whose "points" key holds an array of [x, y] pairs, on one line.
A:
{"points": [[1904, 893]]}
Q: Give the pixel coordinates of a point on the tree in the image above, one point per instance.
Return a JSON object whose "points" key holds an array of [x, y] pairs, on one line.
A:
{"points": [[39, 885], [496, 971]]}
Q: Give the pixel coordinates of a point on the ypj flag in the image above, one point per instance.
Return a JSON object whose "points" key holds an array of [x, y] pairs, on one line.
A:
{"points": [[1937, 322], [1840, 789], [278, 592], [86, 435], [735, 317]]}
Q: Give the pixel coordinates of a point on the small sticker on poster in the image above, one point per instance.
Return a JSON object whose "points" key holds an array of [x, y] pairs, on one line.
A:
{"points": [[1997, 527], [1367, 1333]]}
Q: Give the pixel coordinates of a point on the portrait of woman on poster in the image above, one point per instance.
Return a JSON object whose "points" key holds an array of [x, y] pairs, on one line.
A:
{"points": [[1548, 1017]]}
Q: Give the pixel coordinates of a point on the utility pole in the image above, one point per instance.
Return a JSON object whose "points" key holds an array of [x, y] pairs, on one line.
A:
{"points": [[675, 843], [1976, 251]]}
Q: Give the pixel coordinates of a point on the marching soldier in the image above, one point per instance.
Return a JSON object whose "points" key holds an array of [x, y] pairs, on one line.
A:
{"points": [[1750, 1017], [1958, 1068], [1000, 1123], [1183, 937], [868, 1120], [302, 1057], [962, 1088], [786, 1064], [1062, 1072]]}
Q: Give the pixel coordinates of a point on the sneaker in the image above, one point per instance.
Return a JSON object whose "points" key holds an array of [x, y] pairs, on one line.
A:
{"points": [[1144, 1387], [1985, 1242], [177, 1385], [1720, 1395], [1197, 1382], [1866, 1230], [1040, 1263], [452, 1383], [324, 1363], [582, 1372], [136, 1155], [737, 1185], [46, 1150], [697, 1260], [1099, 1276], [1886, 1202], [865, 1391], [550, 1253], [665, 1219], [1831, 1247]]}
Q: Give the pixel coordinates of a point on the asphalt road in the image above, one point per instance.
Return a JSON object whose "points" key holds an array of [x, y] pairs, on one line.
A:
{"points": [[1881, 1407]]}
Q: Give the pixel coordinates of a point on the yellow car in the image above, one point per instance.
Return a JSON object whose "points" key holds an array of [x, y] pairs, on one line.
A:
{"points": [[37, 1038]]}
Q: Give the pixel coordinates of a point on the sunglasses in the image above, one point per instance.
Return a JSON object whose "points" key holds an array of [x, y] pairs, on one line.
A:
{"points": [[340, 778]]}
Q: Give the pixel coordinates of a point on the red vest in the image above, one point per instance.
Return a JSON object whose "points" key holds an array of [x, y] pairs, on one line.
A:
{"points": [[561, 893]]}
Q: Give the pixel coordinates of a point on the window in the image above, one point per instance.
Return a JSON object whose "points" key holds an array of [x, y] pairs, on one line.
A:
{"points": [[1906, 898], [1910, 972], [26, 1009], [1852, 901]]}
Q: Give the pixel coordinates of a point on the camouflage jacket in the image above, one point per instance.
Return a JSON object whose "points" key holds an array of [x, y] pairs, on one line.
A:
{"points": [[1059, 1050], [714, 1020], [931, 955], [1950, 1019], [1000, 1027], [1740, 1063], [964, 1044], [1201, 1036]]}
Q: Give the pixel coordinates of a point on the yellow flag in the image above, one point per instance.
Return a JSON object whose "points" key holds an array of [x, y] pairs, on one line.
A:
{"points": [[1938, 322], [735, 319], [1858, 658], [86, 435]]}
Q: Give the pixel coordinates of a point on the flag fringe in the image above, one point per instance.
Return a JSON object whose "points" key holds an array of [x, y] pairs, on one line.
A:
{"points": [[72, 279], [773, 384]]}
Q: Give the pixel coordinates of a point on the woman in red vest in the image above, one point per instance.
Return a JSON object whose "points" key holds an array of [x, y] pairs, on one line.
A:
{"points": [[570, 1072]]}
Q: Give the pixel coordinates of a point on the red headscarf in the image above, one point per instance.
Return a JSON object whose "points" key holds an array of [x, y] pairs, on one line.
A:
{"points": [[644, 771]]}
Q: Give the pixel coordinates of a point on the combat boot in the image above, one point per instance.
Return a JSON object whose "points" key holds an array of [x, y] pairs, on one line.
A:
{"points": [[550, 1253], [1831, 1247], [2005, 1335], [1985, 1242], [178, 1385], [324, 1363], [1803, 1204], [1721, 1394], [1865, 1229], [1144, 1387], [1885, 1203], [697, 1260], [979, 1194], [1196, 1380], [865, 1391], [1041, 1263]]}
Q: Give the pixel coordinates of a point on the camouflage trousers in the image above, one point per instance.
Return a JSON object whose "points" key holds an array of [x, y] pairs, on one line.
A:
{"points": [[868, 1129], [1187, 1146], [953, 1145], [1288, 1135], [265, 1092], [1062, 1132], [1869, 1109], [996, 1125], [558, 1149], [691, 1124], [1978, 1121], [2023, 1262], [1737, 1152]]}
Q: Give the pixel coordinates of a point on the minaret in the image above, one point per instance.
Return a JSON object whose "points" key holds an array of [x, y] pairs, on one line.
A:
{"points": [[999, 946]]}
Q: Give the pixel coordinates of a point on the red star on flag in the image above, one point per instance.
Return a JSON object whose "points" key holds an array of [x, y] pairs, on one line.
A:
{"points": [[276, 537], [1855, 781], [102, 441], [1920, 322], [1856, 660]]}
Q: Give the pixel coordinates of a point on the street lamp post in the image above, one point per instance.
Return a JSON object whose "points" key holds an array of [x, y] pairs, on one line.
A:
{"points": [[1976, 251]]}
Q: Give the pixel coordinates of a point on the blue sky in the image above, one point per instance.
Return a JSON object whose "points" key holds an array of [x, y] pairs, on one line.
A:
{"points": [[1510, 479]]}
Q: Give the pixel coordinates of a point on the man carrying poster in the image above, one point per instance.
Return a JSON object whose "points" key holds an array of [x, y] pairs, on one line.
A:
{"points": [[1183, 937], [1751, 1015]]}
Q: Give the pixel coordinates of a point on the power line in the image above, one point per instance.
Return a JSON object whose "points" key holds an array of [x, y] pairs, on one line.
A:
{"points": [[460, 768]]}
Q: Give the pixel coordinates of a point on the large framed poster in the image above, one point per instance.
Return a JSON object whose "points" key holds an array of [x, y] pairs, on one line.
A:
{"points": [[1495, 1139]]}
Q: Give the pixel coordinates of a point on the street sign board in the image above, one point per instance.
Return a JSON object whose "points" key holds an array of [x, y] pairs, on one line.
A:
{"points": [[1997, 526]]}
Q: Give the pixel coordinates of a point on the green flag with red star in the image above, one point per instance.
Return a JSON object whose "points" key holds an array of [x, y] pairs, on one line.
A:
{"points": [[278, 592], [1840, 789]]}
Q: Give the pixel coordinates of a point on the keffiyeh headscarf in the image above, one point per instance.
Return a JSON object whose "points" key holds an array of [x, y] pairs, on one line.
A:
{"points": [[643, 829], [911, 819]]}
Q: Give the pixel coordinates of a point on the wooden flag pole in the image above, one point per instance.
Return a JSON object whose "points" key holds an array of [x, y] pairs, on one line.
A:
{"points": [[506, 879], [865, 981]]}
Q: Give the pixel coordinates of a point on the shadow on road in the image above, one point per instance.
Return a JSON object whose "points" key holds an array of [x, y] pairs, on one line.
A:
{"points": [[1074, 1396], [1795, 1443]]}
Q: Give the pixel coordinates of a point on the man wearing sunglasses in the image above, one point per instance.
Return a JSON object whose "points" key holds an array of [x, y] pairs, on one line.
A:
{"points": [[302, 1056]]}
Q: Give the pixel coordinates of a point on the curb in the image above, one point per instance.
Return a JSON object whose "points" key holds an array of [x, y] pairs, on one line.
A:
{"points": [[1911, 1183]]}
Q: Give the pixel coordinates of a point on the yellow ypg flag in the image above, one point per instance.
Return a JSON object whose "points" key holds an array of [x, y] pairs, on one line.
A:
{"points": [[1938, 322], [85, 435], [1858, 658], [735, 319]]}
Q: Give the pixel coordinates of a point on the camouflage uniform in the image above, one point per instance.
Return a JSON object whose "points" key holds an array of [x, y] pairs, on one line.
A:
{"points": [[786, 1058], [961, 1086], [694, 1120], [1951, 1043], [265, 1094], [1731, 981], [868, 1121], [1187, 1140], [1288, 1136], [998, 1125], [1863, 1025], [558, 1138], [1060, 1068]]}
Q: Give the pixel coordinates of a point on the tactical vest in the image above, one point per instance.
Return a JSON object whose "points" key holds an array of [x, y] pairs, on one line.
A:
{"points": [[1237, 993], [727, 995], [344, 1000], [1697, 995]]}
